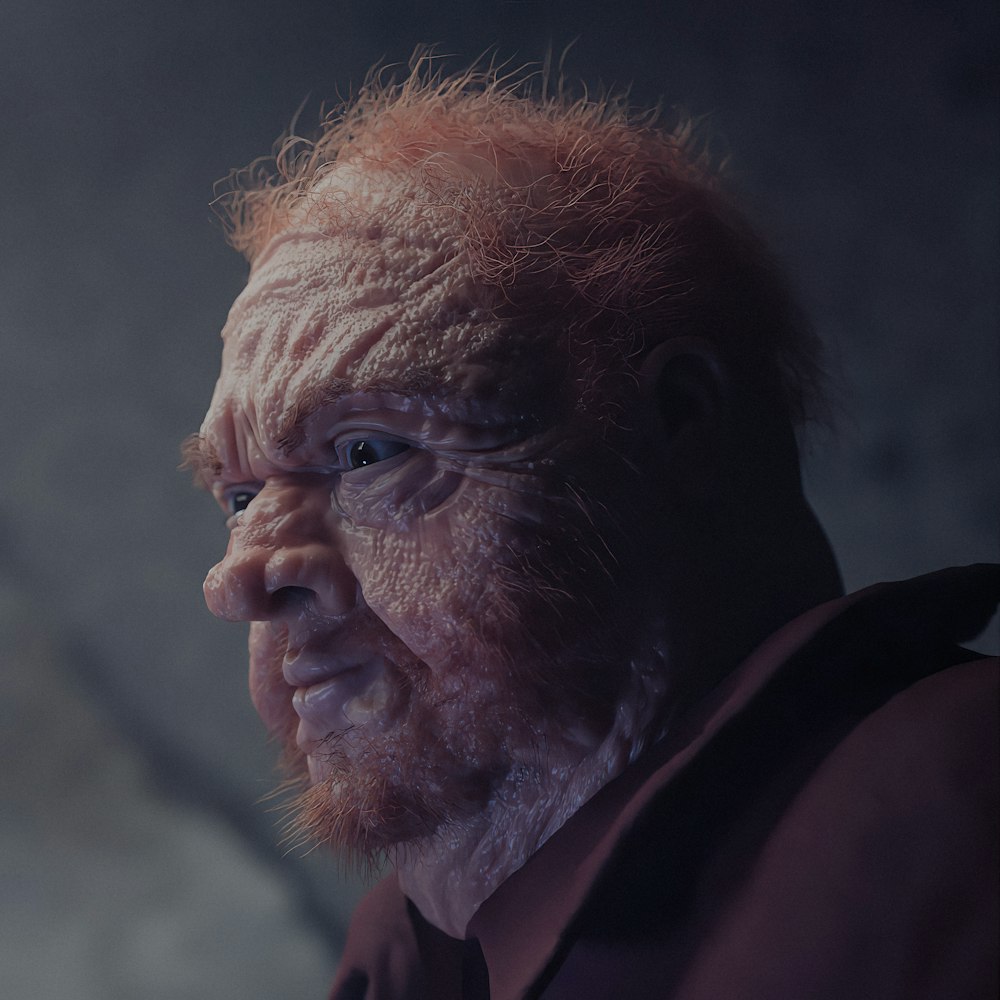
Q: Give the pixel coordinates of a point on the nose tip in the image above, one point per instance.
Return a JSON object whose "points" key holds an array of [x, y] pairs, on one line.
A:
{"points": [[230, 595], [263, 585]]}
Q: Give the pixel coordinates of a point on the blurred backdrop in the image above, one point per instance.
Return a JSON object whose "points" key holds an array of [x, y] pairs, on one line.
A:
{"points": [[135, 859]]}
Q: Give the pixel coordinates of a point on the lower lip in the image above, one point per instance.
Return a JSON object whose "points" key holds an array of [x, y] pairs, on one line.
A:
{"points": [[317, 699], [321, 707]]}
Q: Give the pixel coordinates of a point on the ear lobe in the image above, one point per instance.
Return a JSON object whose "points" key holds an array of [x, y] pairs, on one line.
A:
{"points": [[687, 386]]}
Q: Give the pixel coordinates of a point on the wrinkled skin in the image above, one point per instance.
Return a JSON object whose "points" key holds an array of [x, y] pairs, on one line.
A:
{"points": [[457, 635]]}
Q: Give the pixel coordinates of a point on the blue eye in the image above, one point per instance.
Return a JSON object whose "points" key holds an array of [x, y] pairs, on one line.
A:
{"points": [[239, 501], [372, 450]]}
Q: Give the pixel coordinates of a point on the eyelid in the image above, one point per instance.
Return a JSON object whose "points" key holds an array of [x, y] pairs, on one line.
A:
{"points": [[227, 495], [344, 442]]}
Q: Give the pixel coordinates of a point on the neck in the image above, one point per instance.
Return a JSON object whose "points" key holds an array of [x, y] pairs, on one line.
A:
{"points": [[450, 875]]}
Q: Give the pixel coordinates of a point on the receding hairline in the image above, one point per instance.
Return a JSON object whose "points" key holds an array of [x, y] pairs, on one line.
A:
{"points": [[593, 222], [425, 119]]}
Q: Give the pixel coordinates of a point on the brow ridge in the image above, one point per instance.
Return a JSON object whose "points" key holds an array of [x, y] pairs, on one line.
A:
{"points": [[412, 382]]}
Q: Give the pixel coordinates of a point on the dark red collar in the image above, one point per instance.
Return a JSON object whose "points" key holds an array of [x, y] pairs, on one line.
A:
{"points": [[528, 923]]}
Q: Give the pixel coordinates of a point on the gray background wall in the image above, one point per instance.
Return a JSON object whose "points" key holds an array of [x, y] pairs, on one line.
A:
{"points": [[135, 861]]}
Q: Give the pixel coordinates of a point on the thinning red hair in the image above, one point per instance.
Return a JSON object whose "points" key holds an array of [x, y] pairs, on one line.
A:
{"points": [[588, 214]]}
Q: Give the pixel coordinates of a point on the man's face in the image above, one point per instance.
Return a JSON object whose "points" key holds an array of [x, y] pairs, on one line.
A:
{"points": [[431, 539]]}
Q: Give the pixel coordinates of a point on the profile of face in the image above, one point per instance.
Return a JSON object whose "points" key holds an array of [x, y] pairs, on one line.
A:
{"points": [[443, 553]]}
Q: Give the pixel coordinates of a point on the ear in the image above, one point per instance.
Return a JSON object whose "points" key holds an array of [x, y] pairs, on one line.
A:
{"points": [[688, 392], [685, 384]]}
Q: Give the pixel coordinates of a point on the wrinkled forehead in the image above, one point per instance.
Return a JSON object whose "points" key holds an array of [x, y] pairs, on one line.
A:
{"points": [[369, 287]]}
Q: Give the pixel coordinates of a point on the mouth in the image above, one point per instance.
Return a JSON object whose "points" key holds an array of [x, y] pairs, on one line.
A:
{"points": [[305, 668], [333, 695]]}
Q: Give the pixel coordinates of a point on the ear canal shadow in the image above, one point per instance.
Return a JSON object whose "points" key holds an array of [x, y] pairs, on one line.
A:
{"points": [[684, 393]]}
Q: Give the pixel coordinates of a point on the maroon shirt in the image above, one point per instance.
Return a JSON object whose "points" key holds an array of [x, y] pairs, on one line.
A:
{"points": [[824, 825]]}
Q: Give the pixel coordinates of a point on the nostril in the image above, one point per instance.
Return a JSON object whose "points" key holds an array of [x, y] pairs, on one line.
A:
{"points": [[312, 577], [290, 599]]}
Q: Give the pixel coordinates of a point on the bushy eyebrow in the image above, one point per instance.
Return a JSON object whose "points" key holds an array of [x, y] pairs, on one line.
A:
{"points": [[201, 459]]}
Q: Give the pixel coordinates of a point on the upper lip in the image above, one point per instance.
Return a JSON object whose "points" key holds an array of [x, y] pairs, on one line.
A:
{"points": [[304, 667]]}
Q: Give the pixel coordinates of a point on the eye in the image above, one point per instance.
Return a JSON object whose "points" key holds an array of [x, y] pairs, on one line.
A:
{"points": [[368, 451], [238, 501]]}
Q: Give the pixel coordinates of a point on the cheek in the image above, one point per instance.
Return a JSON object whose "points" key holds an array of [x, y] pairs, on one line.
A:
{"points": [[497, 575], [432, 579]]}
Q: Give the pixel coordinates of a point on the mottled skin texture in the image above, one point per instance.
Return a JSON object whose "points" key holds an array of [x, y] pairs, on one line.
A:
{"points": [[468, 636], [463, 642]]}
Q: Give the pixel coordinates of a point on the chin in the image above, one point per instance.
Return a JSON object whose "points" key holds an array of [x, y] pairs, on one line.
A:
{"points": [[430, 755], [364, 796]]}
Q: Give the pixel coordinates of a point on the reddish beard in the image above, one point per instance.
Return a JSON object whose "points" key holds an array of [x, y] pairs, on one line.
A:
{"points": [[542, 662], [381, 790]]}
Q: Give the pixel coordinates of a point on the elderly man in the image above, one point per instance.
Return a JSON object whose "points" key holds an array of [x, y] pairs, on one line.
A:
{"points": [[505, 433]]}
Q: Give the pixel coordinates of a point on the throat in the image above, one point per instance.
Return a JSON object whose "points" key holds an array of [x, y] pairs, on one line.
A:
{"points": [[449, 875]]}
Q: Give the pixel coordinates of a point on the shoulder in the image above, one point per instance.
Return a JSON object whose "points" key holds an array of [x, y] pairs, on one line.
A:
{"points": [[915, 780], [935, 741], [832, 847], [881, 875]]}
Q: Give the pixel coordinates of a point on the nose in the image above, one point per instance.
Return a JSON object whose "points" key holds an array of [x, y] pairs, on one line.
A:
{"points": [[283, 555]]}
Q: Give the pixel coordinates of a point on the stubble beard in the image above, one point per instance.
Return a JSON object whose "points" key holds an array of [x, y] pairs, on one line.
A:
{"points": [[373, 791], [433, 774], [436, 768]]}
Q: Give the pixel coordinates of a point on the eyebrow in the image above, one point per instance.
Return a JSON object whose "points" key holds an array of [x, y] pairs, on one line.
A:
{"points": [[201, 459]]}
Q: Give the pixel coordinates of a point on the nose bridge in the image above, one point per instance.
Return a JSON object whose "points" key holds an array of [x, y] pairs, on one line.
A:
{"points": [[284, 550]]}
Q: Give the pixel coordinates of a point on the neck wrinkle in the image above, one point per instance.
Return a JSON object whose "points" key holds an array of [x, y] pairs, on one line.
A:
{"points": [[450, 875]]}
